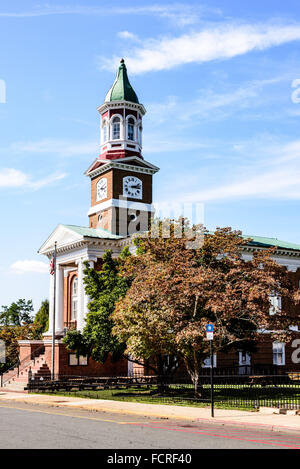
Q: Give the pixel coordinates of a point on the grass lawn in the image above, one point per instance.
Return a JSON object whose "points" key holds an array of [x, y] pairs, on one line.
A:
{"points": [[234, 397]]}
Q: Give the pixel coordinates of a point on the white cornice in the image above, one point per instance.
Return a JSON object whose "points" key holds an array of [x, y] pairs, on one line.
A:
{"points": [[85, 242], [279, 251], [122, 164], [121, 104], [128, 204]]}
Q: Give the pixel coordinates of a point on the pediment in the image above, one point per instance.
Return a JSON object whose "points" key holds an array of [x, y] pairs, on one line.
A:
{"points": [[63, 236]]}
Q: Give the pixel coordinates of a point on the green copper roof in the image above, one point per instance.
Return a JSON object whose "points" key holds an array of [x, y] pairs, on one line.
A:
{"points": [[121, 89], [267, 242], [258, 241], [261, 241], [92, 232]]}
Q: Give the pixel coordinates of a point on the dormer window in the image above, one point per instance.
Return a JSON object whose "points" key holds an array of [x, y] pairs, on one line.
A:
{"points": [[130, 129], [116, 128]]}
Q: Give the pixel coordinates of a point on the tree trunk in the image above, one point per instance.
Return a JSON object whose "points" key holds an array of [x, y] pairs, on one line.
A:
{"points": [[161, 384], [192, 369]]}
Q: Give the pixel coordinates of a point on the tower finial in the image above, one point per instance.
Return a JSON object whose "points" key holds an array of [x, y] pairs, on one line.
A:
{"points": [[121, 89]]}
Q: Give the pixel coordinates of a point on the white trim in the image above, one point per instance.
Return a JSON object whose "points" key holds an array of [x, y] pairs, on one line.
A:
{"points": [[148, 168], [121, 104], [121, 204]]}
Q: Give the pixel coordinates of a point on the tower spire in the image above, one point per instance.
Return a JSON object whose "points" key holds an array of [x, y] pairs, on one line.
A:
{"points": [[121, 89]]}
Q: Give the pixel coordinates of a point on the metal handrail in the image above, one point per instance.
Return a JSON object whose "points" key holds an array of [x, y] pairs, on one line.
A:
{"points": [[20, 365]]}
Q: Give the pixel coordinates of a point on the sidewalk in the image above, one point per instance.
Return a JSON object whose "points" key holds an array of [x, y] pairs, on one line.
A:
{"points": [[275, 422]]}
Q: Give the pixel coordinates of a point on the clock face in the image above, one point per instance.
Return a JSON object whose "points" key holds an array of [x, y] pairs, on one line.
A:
{"points": [[102, 189], [132, 187]]}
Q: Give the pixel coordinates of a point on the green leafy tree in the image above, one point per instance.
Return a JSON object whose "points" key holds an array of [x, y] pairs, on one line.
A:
{"points": [[10, 336], [42, 317], [105, 288], [17, 314], [179, 287]]}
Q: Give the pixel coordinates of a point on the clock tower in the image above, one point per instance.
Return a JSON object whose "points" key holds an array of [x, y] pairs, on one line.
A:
{"points": [[121, 180]]}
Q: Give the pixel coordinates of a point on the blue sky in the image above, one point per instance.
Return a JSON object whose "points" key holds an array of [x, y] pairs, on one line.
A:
{"points": [[219, 82]]}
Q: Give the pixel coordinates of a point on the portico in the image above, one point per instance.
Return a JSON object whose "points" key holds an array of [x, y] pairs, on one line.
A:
{"points": [[76, 246]]}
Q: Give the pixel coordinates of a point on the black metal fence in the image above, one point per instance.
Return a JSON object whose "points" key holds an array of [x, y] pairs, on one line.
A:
{"points": [[230, 391]]}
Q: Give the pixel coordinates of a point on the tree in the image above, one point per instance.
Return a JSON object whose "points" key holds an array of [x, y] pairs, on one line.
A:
{"points": [[11, 335], [17, 314], [179, 287], [42, 317], [105, 288]]}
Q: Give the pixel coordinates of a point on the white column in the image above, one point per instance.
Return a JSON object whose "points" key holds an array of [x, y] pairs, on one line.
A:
{"points": [[86, 298], [80, 322], [51, 305], [59, 306]]}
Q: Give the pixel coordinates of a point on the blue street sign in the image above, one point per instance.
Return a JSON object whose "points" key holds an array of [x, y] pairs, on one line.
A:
{"points": [[209, 328]]}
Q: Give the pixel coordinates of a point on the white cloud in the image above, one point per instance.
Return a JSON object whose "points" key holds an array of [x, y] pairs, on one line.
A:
{"points": [[10, 177], [56, 146], [220, 42], [180, 14], [281, 179], [28, 266], [128, 35]]}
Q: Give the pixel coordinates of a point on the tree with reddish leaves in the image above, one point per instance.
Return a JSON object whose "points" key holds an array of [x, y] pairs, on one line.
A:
{"points": [[180, 285]]}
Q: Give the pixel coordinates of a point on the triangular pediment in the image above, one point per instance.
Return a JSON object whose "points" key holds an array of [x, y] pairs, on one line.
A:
{"points": [[101, 166], [63, 236]]}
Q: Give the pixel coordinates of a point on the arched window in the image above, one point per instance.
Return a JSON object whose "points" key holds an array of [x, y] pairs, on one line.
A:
{"points": [[130, 128], [116, 128], [74, 300], [104, 131]]}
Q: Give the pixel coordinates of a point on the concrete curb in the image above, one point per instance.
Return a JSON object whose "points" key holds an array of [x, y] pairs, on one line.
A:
{"points": [[232, 418]]}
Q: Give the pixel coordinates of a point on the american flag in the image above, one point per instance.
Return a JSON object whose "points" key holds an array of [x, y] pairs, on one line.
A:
{"points": [[52, 266]]}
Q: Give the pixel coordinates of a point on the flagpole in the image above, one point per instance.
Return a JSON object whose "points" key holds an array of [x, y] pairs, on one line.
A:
{"points": [[53, 319]]}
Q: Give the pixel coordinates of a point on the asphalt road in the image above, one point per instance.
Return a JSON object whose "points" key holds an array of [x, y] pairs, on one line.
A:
{"points": [[45, 427]]}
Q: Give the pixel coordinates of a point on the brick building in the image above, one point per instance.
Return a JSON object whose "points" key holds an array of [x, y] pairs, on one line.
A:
{"points": [[121, 204]]}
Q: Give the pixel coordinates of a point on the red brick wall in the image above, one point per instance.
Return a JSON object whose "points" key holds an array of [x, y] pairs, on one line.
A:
{"points": [[94, 368]]}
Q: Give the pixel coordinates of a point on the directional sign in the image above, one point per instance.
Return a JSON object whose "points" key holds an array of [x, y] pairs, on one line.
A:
{"points": [[209, 331]]}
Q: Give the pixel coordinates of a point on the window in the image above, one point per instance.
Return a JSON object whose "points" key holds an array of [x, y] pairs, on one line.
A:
{"points": [[104, 131], [244, 358], [130, 129], [206, 362], [278, 353], [82, 360], [116, 128], [74, 299], [275, 304]]}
